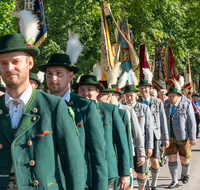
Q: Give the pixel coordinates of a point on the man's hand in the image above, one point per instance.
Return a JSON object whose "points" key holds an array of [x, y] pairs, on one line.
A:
{"points": [[124, 180], [166, 144], [149, 152], [192, 142], [141, 160]]}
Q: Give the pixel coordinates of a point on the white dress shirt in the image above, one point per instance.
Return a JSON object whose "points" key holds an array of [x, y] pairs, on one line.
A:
{"points": [[148, 99], [16, 111], [134, 104], [67, 95]]}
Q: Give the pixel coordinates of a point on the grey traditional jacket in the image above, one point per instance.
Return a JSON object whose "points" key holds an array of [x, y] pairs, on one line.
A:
{"points": [[183, 120], [136, 133], [146, 124], [158, 116]]}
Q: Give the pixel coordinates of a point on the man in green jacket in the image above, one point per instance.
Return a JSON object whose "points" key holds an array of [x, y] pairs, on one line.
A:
{"points": [[59, 73], [115, 135], [35, 127]]}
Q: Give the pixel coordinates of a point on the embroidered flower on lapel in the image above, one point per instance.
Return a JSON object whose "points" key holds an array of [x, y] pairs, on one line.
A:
{"points": [[43, 134], [4, 123], [25, 122], [184, 113], [79, 124], [142, 116]]}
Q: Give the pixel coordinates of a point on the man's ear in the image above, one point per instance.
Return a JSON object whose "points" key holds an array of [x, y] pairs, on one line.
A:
{"points": [[117, 96], [70, 75], [98, 91], [30, 63]]}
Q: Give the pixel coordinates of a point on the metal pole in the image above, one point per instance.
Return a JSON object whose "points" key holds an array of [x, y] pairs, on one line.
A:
{"points": [[168, 69]]}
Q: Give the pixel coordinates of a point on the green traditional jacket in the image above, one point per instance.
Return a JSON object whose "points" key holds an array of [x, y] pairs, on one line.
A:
{"points": [[115, 136], [125, 119], [45, 131], [92, 141]]}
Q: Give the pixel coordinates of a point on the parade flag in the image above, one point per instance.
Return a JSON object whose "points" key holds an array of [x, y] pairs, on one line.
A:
{"points": [[144, 59], [188, 79], [159, 79], [36, 7], [108, 41], [171, 71], [126, 52]]}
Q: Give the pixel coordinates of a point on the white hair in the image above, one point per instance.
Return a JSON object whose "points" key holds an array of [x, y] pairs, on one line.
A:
{"points": [[154, 91], [163, 90]]}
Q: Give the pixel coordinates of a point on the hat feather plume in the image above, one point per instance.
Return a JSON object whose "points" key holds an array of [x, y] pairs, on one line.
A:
{"points": [[40, 76], [134, 78], [176, 84], [97, 71], [29, 25], [122, 80], [79, 78], [181, 81], [74, 47], [114, 74], [148, 75]]}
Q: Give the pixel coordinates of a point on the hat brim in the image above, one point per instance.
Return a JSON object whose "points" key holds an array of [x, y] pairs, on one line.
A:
{"points": [[131, 91], [76, 85], [112, 90], [38, 82], [69, 67], [173, 93], [33, 51], [144, 85]]}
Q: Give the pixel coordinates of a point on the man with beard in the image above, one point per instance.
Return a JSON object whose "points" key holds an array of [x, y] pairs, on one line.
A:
{"points": [[144, 118], [182, 132], [159, 125], [35, 127], [59, 73], [115, 135]]}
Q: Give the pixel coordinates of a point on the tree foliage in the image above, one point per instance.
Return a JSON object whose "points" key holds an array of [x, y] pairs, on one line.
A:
{"points": [[174, 19]]}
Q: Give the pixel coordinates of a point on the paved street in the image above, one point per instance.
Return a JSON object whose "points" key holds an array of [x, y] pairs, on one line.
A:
{"points": [[194, 182]]}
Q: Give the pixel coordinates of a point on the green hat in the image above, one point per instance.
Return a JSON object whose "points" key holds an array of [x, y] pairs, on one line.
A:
{"points": [[40, 87], [2, 88], [173, 90], [87, 80], [114, 88], [144, 83], [34, 77], [16, 42], [130, 88], [61, 60]]}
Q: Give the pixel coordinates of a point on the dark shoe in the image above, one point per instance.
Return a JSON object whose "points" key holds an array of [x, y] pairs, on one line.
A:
{"points": [[173, 185], [161, 163], [185, 179], [154, 188]]}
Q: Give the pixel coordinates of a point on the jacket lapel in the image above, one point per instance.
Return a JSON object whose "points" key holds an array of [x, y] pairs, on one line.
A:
{"points": [[167, 110], [26, 122], [6, 127]]}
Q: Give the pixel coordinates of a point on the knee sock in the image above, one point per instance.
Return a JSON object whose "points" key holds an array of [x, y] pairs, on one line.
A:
{"points": [[154, 173], [173, 170], [141, 182], [185, 168]]}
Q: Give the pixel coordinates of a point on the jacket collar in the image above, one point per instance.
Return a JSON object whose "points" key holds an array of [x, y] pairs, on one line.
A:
{"points": [[26, 121]]}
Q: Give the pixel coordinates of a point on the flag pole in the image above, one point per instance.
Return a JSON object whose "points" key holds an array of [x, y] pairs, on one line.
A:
{"points": [[168, 65]]}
